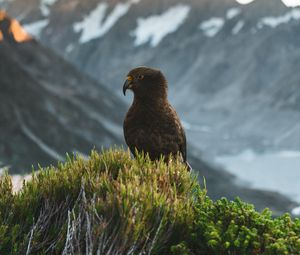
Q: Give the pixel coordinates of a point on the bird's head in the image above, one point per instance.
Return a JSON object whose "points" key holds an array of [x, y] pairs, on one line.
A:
{"points": [[146, 82]]}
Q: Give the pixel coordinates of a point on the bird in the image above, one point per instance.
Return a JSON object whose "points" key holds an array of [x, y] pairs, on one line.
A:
{"points": [[151, 125]]}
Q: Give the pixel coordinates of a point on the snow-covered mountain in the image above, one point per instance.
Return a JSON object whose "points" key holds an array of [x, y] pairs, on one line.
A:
{"points": [[236, 64], [47, 107]]}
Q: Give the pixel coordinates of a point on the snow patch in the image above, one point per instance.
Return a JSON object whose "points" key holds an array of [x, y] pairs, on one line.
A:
{"points": [[69, 48], [233, 12], [2, 169], [289, 154], [296, 211], [154, 28], [36, 28], [273, 22], [195, 127], [291, 3], [238, 27], [95, 25], [277, 171], [212, 26], [80, 154], [45, 6], [244, 1], [18, 181]]}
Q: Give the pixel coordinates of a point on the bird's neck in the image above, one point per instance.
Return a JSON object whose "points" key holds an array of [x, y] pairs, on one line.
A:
{"points": [[150, 104]]}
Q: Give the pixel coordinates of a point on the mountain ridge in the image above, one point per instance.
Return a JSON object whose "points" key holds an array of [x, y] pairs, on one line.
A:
{"points": [[44, 98]]}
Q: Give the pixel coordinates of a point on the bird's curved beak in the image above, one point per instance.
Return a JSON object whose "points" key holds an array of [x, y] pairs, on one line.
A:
{"points": [[127, 84]]}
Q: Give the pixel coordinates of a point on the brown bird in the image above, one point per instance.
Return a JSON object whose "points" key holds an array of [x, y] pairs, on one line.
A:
{"points": [[152, 125]]}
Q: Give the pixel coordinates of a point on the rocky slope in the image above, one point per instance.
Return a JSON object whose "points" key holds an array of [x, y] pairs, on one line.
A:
{"points": [[237, 64], [48, 108]]}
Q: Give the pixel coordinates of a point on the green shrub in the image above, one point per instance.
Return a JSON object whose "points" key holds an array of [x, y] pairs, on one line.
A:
{"points": [[112, 204]]}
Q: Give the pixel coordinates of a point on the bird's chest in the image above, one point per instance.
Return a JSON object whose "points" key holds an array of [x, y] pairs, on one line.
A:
{"points": [[144, 120]]}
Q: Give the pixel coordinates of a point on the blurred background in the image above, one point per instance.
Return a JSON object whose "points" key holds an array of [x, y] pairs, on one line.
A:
{"points": [[233, 72]]}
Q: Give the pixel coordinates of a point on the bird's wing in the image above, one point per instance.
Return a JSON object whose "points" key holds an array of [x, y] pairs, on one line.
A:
{"points": [[183, 145], [163, 136], [178, 131]]}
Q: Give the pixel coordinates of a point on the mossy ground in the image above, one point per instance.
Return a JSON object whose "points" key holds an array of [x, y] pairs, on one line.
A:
{"points": [[112, 204]]}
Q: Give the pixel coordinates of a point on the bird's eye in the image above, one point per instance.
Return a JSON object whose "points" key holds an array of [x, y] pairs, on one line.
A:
{"points": [[141, 77]]}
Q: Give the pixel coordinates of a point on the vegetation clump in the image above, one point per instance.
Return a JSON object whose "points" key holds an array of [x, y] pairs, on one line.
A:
{"points": [[112, 204]]}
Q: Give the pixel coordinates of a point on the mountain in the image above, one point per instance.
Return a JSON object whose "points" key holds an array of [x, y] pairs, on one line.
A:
{"points": [[236, 64], [47, 107]]}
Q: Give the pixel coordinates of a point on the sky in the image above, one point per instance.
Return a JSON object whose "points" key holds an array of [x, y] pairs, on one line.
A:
{"points": [[289, 3]]}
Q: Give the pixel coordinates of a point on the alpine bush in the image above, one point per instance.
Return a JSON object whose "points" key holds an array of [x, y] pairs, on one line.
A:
{"points": [[113, 204]]}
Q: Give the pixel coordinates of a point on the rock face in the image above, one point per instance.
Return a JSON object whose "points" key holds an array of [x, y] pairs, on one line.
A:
{"points": [[48, 108], [235, 63], [11, 30]]}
